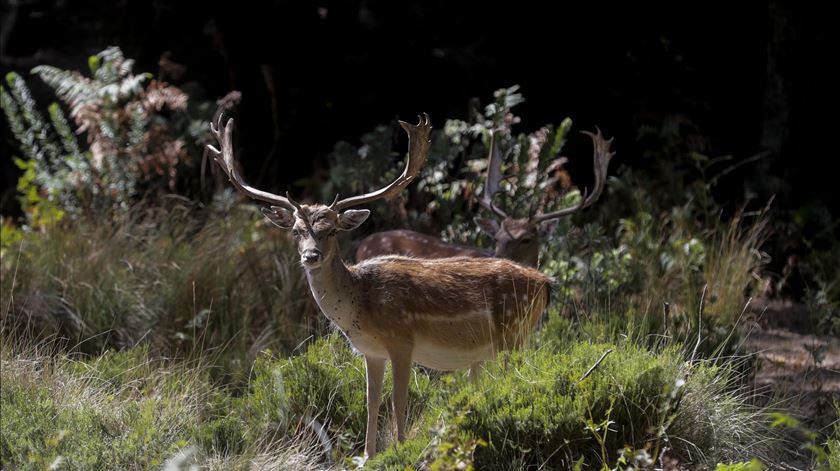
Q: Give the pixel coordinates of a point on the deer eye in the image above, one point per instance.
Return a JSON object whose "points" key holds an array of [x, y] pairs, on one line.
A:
{"points": [[296, 233]]}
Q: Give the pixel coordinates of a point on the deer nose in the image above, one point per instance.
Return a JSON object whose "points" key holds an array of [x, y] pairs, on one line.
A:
{"points": [[311, 256]]}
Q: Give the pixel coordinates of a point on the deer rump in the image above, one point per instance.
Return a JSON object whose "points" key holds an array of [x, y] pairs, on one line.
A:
{"points": [[453, 311]]}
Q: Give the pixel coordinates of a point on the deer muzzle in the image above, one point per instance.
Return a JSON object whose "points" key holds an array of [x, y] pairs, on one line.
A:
{"points": [[310, 257]]}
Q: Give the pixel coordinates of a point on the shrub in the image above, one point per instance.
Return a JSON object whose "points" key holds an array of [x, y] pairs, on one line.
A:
{"points": [[532, 409], [540, 414]]}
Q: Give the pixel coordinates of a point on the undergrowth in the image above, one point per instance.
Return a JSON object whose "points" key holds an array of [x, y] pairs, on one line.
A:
{"points": [[538, 407]]}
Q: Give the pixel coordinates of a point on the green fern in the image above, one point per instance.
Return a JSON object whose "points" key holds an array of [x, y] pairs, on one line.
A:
{"points": [[116, 110], [62, 127], [112, 80]]}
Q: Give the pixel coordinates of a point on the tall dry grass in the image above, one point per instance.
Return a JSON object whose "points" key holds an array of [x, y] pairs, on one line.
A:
{"points": [[181, 278]]}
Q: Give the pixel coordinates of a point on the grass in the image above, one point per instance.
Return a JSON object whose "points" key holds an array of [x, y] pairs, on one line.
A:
{"points": [[54, 412], [734, 263], [129, 410]]}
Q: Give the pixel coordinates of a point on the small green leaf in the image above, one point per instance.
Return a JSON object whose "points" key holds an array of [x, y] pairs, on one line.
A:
{"points": [[93, 63]]}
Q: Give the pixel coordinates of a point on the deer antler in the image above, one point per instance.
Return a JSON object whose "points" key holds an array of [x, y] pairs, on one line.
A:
{"points": [[418, 150], [602, 156], [494, 176], [224, 158]]}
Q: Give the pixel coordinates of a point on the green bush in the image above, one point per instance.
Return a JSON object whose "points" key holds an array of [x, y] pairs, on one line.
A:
{"points": [[531, 409], [540, 414]]}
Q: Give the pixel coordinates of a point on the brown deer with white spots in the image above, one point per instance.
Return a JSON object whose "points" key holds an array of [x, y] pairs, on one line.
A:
{"points": [[517, 239], [445, 314]]}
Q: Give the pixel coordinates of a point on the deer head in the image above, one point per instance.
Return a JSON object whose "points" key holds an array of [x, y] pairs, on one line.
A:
{"points": [[520, 238], [314, 226]]}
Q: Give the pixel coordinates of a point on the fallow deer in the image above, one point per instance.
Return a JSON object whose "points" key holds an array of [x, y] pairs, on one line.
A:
{"points": [[517, 239], [445, 314]]}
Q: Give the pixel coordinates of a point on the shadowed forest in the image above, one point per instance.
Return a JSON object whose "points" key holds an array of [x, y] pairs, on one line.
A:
{"points": [[665, 165]]}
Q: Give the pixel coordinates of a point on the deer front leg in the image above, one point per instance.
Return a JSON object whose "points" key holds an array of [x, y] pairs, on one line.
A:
{"points": [[375, 369], [401, 366], [475, 371]]}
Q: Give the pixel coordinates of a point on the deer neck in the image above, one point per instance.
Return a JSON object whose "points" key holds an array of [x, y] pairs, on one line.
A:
{"points": [[332, 285], [528, 258], [531, 258]]}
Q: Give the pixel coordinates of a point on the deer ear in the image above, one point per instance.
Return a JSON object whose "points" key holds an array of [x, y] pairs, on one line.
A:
{"points": [[547, 227], [351, 219], [489, 226], [280, 217]]}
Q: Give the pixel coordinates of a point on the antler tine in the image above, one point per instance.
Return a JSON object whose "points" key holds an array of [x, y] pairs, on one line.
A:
{"points": [[494, 176], [300, 213], [225, 159], [601, 156], [294, 203], [418, 149], [332, 205]]}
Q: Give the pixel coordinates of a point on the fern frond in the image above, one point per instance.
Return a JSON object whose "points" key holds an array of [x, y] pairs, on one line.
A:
{"points": [[37, 134], [125, 89], [560, 135], [111, 66], [132, 85], [159, 95], [70, 86], [112, 55], [124, 67], [137, 125], [23, 135], [62, 127]]}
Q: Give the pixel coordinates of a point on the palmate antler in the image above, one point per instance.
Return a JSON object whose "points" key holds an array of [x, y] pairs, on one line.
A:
{"points": [[418, 151], [602, 156], [225, 159], [494, 176]]}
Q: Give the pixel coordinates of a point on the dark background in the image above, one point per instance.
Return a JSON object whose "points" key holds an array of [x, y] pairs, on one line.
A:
{"points": [[750, 76]]}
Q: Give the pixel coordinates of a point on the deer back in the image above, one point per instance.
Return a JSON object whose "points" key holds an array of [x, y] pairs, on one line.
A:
{"points": [[412, 244]]}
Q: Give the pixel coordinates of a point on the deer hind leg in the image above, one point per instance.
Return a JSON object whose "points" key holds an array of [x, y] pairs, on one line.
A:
{"points": [[375, 370], [401, 368]]}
